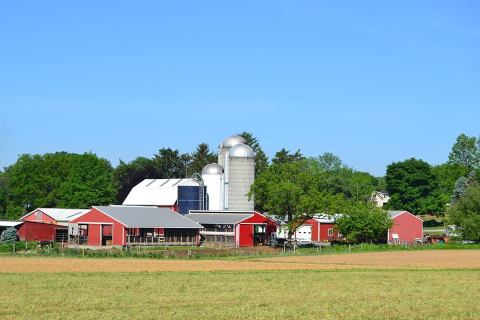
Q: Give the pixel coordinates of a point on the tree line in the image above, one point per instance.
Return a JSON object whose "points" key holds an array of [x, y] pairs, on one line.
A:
{"points": [[291, 186]]}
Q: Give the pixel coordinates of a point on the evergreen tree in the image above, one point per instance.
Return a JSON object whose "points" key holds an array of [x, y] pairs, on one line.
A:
{"points": [[284, 156], [8, 235], [461, 186], [171, 163], [128, 175], [200, 158], [261, 159]]}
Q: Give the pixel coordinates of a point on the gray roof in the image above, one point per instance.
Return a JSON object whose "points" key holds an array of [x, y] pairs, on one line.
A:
{"points": [[394, 213], [148, 217], [218, 218]]}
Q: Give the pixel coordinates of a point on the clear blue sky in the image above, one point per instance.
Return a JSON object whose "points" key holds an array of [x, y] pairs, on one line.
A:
{"points": [[373, 82]]}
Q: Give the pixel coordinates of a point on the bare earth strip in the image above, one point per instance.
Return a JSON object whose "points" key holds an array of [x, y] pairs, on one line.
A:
{"points": [[437, 259]]}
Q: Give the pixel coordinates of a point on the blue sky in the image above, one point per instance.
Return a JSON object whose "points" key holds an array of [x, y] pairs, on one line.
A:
{"points": [[373, 82]]}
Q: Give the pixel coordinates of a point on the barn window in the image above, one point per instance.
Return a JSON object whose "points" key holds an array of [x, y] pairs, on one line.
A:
{"points": [[38, 215], [330, 232]]}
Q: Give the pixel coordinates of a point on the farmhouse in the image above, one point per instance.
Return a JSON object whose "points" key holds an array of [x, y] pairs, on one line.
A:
{"points": [[47, 224], [407, 228], [239, 228], [133, 225]]}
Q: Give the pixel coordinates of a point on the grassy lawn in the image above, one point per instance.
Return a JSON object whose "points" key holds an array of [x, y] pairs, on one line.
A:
{"points": [[314, 294]]}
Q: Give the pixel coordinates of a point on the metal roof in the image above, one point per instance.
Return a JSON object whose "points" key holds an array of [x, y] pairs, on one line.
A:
{"points": [[241, 151], [10, 223], [148, 217], [213, 169], [156, 192], [393, 213], [219, 218], [232, 141], [60, 214]]}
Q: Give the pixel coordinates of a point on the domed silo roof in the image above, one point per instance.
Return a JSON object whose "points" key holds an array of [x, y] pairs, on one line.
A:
{"points": [[212, 169], [232, 141], [241, 151]]}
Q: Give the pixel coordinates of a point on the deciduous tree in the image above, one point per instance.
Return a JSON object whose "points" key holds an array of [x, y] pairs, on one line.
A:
{"points": [[413, 187]]}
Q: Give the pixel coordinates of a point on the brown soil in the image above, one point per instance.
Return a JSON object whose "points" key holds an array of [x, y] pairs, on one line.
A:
{"points": [[439, 259]]}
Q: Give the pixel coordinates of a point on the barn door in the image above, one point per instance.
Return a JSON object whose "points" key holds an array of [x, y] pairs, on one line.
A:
{"points": [[107, 230]]}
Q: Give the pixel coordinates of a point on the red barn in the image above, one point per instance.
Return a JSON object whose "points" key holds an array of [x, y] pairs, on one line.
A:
{"points": [[240, 228], [407, 228], [323, 229], [133, 225], [47, 224]]}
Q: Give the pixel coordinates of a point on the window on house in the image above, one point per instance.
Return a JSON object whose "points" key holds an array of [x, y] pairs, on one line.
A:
{"points": [[330, 232]]}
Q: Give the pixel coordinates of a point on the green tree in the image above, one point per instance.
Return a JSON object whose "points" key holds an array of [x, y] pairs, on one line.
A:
{"points": [[171, 163], [447, 175], [128, 175], [56, 180], [465, 152], [364, 223], [284, 156], [3, 195], [261, 159], [289, 191], [335, 177], [413, 187], [8, 235], [200, 158], [89, 182], [466, 214], [461, 186]]}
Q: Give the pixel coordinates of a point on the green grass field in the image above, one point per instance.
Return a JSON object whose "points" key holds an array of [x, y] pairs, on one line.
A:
{"points": [[353, 294]]}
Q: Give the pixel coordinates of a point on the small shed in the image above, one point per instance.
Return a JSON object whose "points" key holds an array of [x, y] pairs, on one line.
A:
{"points": [[133, 225], [239, 228], [323, 228], [407, 228]]}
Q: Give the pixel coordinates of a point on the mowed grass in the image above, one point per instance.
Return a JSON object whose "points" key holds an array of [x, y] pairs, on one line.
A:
{"points": [[298, 294]]}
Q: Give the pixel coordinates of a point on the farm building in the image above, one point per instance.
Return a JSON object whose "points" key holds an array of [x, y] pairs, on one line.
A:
{"points": [[239, 228], [133, 225], [319, 229], [323, 229], [9, 224], [407, 228], [47, 224]]}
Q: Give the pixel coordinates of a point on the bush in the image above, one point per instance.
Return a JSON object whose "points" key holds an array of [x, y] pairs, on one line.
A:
{"points": [[8, 235]]}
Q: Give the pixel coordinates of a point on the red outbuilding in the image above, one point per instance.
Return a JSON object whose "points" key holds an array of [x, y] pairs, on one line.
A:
{"points": [[323, 229], [239, 228], [47, 224], [407, 228], [133, 225]]}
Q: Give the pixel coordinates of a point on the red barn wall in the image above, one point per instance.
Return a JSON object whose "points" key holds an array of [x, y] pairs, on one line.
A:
{"points": [[94, 218], [37, 231], [44, 217], [246, 229], [407, 226]]}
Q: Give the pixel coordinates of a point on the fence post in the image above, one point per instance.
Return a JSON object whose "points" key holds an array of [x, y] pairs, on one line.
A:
{"points": [[14, 247], [349, 247]]}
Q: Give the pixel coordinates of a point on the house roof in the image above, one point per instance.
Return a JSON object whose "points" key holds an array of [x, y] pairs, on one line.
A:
{"points": [[219, 218], [60, 214], [148, 217], [156, 192], [10, 223]]}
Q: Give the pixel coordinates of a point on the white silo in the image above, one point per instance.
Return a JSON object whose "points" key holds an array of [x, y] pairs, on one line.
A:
{"points": [[239, 176], [212, 175], [226, 145]]}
